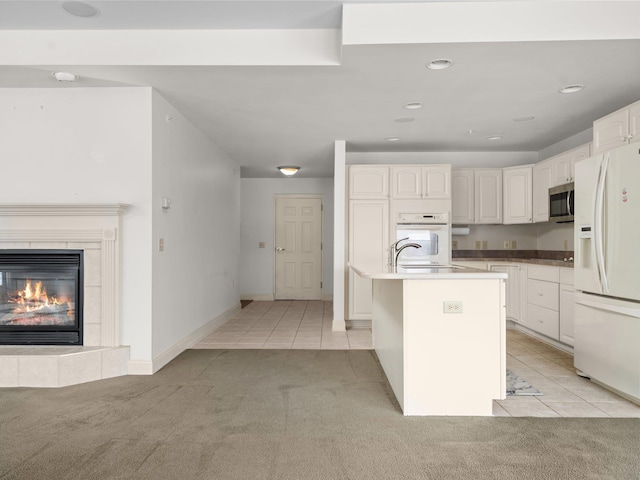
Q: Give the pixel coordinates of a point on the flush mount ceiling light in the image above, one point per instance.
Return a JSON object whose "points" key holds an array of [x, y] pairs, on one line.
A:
{"points": [[64, 76], [495, 137], [439, 64], [572, 88], [288, 170], [392, 139], [80, 9], [404, 119], [413, 106]]}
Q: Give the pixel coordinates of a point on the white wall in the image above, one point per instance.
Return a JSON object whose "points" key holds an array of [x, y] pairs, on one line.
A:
{"points": [[195, 278], [88, 145], [586, 136], [257, 225]]}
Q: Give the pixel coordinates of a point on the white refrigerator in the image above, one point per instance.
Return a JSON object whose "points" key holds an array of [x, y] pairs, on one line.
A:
{"points": [[607, 269]]}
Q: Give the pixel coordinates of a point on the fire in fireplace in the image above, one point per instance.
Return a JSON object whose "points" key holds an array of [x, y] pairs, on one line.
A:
{"points": [[41, 297]]}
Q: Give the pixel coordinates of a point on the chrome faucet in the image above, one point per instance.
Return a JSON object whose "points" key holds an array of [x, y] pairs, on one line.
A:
{"points": [[394, 251]]}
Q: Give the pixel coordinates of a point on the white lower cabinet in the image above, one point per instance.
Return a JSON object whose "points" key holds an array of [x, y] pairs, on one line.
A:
{"points": [[513, 290], [543, 300], [368, 245], [567, 302], [539, 297]]}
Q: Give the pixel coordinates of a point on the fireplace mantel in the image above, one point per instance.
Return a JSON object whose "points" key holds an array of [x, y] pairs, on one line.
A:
{"points": [[94, 228], [62, 209], [90, 226]]}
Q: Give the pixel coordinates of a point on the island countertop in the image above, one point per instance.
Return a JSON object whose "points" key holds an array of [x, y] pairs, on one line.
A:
{"points": [[423, 273]]}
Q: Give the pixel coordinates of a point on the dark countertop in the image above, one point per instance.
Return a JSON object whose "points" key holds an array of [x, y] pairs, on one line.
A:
{"points": [[552, 258]]}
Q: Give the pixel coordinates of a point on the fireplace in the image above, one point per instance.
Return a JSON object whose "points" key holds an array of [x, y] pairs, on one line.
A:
{"points": [[41, 297]]}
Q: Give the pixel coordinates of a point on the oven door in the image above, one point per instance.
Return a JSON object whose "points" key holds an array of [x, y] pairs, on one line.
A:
{"points": [[434, 242]]}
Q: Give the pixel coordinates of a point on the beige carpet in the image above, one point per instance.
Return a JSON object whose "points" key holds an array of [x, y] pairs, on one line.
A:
{"points": [[287, 414]]}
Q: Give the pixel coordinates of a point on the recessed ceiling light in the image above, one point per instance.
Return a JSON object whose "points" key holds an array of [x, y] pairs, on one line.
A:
{"points": [[524, 118], [404, 119], [413, 106], [572, 88], [439, 64], [392, 139], [65, 76], [80, 9], [495, 137]]}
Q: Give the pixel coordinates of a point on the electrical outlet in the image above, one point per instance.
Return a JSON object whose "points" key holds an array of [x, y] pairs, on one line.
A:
{"points": [[484, 244], [506, 244], [452, 307], [513, 244], [566, 244], [261, 244], [478, 244], [161, 244], [454, 245]]}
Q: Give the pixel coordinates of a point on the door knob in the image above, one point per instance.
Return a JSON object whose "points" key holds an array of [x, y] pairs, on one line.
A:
{"points": [[279, 249]]}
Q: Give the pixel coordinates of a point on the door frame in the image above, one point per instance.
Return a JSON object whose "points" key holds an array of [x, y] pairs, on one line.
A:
{"points": [[275, 213]]}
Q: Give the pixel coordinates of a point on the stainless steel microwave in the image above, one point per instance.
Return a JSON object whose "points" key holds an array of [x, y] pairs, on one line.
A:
{"points": [[561, 203]]}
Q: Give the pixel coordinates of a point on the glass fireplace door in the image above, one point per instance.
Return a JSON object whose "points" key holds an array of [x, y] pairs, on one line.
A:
{"points": [[41, 297]]}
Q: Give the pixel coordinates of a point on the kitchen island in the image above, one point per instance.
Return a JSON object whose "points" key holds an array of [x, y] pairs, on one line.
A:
{"points": [[439, 334]]}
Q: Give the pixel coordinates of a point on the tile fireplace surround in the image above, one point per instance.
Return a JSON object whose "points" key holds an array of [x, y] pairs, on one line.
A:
{"points": [[93, 228]]}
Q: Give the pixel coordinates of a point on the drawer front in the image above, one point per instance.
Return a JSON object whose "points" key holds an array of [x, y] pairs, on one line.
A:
{"points": [[544, 321], [566, 276], [547, 274], [543, 294]]}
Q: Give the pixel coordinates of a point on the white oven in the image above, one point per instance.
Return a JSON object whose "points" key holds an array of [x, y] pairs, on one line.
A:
{"points": [[431, 231]]}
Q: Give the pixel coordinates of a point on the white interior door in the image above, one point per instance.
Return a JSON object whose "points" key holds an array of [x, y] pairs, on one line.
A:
{"points": [[298, 248]]}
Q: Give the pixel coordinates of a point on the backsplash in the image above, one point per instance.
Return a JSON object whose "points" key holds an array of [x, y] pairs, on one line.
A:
{"points": [[536, 236]]}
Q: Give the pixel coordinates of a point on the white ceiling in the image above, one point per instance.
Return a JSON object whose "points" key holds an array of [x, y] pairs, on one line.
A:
{"points": [[264, 116]]}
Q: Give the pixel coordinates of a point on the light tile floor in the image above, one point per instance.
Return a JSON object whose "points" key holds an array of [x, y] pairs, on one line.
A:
{"points": [[307, 325]]}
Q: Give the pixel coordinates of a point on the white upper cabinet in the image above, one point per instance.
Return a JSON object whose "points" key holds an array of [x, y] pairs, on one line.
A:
{"points": [[563, 165], [542, 172], [436, 181], [368, 182], [406, 181], [415, 181], [488, 195], [462, 196], [517, 206], [617, 129]]}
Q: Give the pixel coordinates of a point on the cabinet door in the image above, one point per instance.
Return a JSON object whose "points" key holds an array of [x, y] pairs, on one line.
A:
{"points": [[462, 196], [566, 314], [513, 293], [368, 245], [488, 195], [541, 183], [436, 181], [561, 169], [611, 131], [406, 182], [634, 123], [368, 182], [578, 154], [518, 198]]}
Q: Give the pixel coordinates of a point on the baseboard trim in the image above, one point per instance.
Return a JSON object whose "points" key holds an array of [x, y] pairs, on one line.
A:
{"points": [[542, 338], [358, 323], [259, 297], [138, 367]]}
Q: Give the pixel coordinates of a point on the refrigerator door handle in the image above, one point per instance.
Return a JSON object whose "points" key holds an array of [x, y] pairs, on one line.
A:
{"points": [[599, 224]]}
